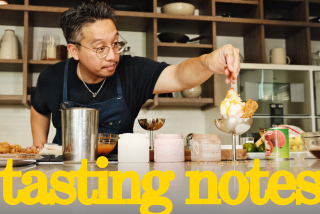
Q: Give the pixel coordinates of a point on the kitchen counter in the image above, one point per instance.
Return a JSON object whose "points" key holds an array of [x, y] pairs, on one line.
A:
{"points": [[178, 190]]}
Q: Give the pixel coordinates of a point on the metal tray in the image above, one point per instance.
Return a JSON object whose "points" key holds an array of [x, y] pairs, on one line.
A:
{"points": [[3, 163]]}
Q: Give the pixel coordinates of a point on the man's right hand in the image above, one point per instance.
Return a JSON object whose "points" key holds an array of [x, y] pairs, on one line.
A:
{"points": [[40, 128], [36, 147]]}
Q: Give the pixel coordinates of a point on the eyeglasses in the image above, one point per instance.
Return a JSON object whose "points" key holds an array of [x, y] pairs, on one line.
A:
{"points": [[103, 51]]}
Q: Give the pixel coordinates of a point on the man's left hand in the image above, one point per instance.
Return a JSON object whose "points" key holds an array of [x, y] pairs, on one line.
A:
{"points": [[225, 60]]}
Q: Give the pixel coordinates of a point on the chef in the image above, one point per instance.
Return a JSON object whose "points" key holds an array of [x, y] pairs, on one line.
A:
{"points": [[97, 77]]}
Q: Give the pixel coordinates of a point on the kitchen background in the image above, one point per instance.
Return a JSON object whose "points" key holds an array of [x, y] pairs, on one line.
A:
{"points": [[15, 119]]}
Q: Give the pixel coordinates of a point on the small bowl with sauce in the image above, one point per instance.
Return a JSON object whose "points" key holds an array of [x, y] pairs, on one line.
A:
{"points": [[312, 142], [106, 143]]}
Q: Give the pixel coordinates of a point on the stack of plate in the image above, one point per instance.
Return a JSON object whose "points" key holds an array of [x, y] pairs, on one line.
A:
{"points": [[19, 159]]}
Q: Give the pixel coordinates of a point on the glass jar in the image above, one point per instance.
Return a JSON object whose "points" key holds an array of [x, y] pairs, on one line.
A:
{"points": [[315, 58], [49, 47], [133, 148], [205, 147], [106, 143], [169, 148]]}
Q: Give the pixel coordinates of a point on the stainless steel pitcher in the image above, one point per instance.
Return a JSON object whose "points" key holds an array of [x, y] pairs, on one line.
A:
{"points": [[79, 134]]}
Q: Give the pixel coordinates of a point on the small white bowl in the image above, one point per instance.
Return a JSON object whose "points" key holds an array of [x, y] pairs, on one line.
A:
{"points": [[179, 8], [256, 155]]}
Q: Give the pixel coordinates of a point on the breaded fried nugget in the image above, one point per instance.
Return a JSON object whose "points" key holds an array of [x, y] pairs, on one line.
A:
{"points": [[15, 148], [23, 151], [4, 148], [250, 108], [32, 151]]}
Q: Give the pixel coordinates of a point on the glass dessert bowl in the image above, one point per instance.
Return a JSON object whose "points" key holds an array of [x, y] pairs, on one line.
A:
{"points": [[312, 142], [237, 116]]}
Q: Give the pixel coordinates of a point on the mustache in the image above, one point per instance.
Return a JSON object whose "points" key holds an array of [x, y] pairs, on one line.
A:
{"points": [[110, 64]]}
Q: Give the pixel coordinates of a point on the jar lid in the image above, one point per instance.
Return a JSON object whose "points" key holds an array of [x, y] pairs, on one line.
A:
{"points": [[134, 136], [205, 136], [169, 136]]}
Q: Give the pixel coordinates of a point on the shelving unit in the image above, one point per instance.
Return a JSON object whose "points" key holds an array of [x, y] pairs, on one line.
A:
{"points": [[10, 100], [254, 29]]}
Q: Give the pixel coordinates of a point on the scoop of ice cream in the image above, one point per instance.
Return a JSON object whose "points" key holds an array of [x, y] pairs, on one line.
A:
{"points": [[231, 106]]}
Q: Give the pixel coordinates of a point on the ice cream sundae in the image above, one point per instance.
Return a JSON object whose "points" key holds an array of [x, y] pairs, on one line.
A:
{"points": [[233, 107]]}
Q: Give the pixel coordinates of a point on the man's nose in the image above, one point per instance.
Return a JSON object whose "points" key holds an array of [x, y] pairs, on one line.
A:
{"points": [[111, 55]]}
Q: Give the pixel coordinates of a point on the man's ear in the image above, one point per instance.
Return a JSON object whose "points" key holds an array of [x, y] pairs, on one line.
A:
{"points": [[73, 50]]}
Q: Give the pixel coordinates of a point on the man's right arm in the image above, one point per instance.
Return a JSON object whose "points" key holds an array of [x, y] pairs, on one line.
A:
{"points": [[40, 125]]}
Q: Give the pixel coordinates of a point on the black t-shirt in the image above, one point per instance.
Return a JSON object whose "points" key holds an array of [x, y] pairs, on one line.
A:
{"points": [[138, 77]]}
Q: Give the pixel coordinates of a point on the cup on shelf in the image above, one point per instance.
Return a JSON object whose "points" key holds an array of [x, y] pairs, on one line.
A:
{"points": [[9, 45], [278, 56], [49, 47]]}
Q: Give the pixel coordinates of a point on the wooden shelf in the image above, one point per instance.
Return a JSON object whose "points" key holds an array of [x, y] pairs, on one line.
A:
{"points": [[141, 4], [184, 102], [148, 103], [10, 99], [183, 50], [234, 28], [238, 1], [248, 9], [184, 45], [43, 62], [315, 33], [40, 65], [178, 102], [11, 15], [182, 17], [11, 65], [314, 1]]}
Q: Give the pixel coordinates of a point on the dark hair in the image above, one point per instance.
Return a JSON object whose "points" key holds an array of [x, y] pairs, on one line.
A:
{"points": [[73, 19]]}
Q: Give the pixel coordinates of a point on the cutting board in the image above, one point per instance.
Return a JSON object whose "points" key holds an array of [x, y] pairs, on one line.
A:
{"points": [[226, 154]]}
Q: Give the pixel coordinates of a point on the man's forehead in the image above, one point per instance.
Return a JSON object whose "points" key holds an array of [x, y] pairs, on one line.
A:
{"points": [[100, 28]]}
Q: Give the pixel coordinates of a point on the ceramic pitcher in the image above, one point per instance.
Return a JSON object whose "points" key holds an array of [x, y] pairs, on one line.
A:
{"points": [[9, 45]]}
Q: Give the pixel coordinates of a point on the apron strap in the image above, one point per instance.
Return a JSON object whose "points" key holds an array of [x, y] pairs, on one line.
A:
{"points": [[65, 81], [119, 90]]}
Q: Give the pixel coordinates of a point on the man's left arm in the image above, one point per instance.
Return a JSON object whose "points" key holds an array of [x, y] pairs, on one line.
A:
{"points": [[195, 71]]}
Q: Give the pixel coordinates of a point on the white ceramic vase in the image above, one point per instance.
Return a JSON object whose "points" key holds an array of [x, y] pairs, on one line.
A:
{"points": [[9, 45], [192, 93]]}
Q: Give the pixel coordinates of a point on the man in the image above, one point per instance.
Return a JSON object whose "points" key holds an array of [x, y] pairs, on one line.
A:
{"points": [[96, 77]]}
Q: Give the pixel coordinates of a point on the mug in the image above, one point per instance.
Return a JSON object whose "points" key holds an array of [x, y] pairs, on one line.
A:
{"points": [[278, 56]]}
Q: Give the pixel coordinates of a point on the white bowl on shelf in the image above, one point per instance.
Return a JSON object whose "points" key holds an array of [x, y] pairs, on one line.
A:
{"points": [[179, 8]]}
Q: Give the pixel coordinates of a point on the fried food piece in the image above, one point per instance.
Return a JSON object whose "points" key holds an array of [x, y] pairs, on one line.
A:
{"points": [[32, 151], [15, 149], [250, 108], [24, 151], [4, 148], [4, 144]]}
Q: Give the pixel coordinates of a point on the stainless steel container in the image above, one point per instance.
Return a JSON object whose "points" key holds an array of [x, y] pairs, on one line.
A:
{"points": [[79, 134]]}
